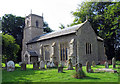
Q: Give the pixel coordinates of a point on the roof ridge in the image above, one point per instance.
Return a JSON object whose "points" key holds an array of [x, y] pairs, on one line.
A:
{"points": [[67, 30]]}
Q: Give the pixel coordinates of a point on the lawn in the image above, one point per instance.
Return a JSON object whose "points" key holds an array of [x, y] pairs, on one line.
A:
{"points": [[52, 75]]}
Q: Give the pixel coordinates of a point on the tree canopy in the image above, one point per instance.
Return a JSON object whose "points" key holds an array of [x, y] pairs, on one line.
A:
{"points": [[61, 26], [105, 20], [9, 48], [14, 25]]}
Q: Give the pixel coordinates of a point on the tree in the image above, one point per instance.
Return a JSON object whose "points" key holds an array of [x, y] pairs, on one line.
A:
{"points": [[62, 26], [13, 25], [104, 18], [47, 29], [109, 30], [9, 48]]}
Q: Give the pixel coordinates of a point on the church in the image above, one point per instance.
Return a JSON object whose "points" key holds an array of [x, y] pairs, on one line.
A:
{"points": [[78, 43]]}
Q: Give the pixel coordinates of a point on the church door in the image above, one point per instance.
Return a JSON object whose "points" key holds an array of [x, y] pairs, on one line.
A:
{"points": [[26, 58]]}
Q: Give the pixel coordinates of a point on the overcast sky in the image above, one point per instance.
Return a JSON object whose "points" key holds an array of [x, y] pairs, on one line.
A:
{"points": [[55, 12]]}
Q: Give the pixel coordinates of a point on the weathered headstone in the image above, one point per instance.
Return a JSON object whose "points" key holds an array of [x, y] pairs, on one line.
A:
{"points": [[10, 66], [93, 63], [48, 64], [36, 66], [42, 65], [105, 70], [70, 67], [23, 65], [56, 64], [78, 67], [88, 67], [106, 64], [60, 69], [79, 72], [114, 62], [52, 65]]}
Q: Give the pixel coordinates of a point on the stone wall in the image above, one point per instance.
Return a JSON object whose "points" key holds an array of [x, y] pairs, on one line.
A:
{"points": [[101, 51], [49, 42], [86, 35]]}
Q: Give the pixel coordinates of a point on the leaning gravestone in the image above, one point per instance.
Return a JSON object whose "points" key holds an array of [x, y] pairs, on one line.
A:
{"points": [[23, 65], [79, 72], [78, 67], [88, 67], [60, 67], [52, 65], [106, 64], [113, 62], [93, 63], [10, 66], [70, 67], [48, 64], [35, 65], [42, 65]]}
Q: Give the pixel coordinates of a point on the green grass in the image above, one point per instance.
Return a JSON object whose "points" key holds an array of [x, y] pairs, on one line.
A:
{"points": [[52, 75]]}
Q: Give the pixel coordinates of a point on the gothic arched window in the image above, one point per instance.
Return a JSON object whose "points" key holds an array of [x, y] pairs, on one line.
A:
{"points": [[88, 48], [37, 24]]}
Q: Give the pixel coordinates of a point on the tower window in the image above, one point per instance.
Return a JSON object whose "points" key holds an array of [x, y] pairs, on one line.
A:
{"points": [[37, 24]]}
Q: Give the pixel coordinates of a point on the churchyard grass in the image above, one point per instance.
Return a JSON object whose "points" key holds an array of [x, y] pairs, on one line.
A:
{"points": [[52, 75]]}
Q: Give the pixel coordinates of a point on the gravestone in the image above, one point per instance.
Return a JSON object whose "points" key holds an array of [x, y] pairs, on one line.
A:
{"points": [[36, 65], [78, 67], [60, 69], [62, 63], [114, 62], [10, 66], [88, 67], [79, 72], [52, 65], [48, 64], [105, 70], [93, 63], [42, 65], [23, 65], [56, 64], [70, 67], [106, 64], [20, 63]]}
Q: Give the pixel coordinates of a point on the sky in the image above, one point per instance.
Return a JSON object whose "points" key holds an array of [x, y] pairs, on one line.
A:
{"points": [[55, 12]]}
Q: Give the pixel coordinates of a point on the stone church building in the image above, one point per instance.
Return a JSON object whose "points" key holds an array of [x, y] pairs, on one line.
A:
{"points": [[78, 43]]}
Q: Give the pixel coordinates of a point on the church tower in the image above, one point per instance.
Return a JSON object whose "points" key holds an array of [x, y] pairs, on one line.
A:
{"points": [[33, 28]]}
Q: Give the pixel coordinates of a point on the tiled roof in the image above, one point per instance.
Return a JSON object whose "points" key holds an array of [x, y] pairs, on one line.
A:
{"points": [[61, 32]]}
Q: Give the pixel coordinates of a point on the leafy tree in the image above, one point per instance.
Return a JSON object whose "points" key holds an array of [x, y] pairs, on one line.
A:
{"points": [[104, 18], [109, 30], [9, 48], [62, 26], [46, 27], [13, 25]]}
